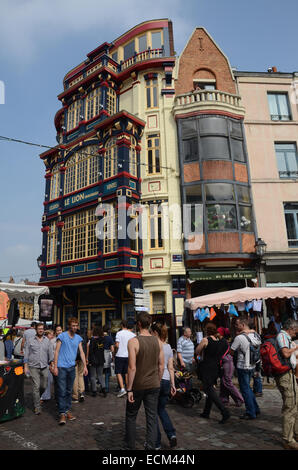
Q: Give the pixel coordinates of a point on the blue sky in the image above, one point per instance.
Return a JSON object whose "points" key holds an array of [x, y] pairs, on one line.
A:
{"points": [[42, 39]]}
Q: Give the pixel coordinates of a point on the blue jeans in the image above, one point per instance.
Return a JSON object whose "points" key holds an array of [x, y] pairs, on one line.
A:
{"points": [[107, 373], [244, 378], [165, 388], [258, 385], [66, 377]]}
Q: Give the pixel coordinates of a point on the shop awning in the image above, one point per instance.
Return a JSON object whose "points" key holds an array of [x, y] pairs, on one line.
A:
{"points": [[241, 295], [22, 291]]}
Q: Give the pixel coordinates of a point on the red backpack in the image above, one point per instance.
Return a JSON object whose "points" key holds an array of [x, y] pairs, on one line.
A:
{"points": [[273, 362]]}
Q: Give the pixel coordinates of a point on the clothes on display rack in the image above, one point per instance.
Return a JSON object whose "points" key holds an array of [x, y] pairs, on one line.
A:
{"points": [[4, 299]]}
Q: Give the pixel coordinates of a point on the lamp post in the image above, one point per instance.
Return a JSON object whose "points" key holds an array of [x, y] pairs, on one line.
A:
{"points": [[260, 247]]}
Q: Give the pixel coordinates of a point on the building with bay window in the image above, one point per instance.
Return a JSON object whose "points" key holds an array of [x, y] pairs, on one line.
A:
{"points": [[214, 170], [116, 158]]}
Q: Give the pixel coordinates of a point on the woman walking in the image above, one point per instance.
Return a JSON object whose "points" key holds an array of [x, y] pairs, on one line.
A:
{"points": [[95, 357], [167, 386], [212, 349], [227, 388]]}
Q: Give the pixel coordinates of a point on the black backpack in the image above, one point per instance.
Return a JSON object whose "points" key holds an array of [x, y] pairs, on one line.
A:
{"points": [[96, 352]]}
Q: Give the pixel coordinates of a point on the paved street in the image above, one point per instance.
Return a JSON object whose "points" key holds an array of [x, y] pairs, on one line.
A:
{"points": [[100, 426]]}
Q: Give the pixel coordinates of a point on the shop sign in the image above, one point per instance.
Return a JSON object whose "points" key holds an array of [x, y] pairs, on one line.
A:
{"points": [[199, 275], [80, 198]]}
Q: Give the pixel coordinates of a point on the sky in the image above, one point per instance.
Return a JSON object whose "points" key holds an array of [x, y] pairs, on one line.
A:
{"points": [[41, 40]]}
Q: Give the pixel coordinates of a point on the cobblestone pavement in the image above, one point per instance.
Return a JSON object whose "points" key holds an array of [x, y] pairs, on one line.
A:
{"points": [[100, 426]]}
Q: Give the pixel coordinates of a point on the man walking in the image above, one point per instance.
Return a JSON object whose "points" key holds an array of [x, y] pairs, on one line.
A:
{"points": [[38, 355], [244, 366], [286, 384], [145, 371], [121, 359], [185, 350], [64, 367]]}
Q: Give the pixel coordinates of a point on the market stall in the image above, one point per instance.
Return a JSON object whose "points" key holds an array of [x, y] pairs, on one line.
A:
{"points": [[12, 371], [249, 300]]}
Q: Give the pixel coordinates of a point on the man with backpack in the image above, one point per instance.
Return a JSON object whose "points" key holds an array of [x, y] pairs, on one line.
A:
{"points": [[247, 347], [286, 383]]}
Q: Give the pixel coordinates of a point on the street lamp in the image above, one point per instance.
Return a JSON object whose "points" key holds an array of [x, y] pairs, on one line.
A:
{"points": [[260, 247], [39, 261]]}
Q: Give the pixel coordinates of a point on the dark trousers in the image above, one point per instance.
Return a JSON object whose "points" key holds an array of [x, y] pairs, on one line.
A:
{"points": [[165, 388], [212, 397], [150, 400]]}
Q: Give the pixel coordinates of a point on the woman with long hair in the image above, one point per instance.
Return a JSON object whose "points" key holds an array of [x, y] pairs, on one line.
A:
{"points": [[212, 349], [167, 386]]}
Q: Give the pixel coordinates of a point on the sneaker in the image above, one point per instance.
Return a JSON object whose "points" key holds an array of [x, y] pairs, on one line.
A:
{"points": [[70, 417], [93, 394], [104, 392], [203, 415], [62, 419], [81, 398], [290, 445], [75, 401], [37, 411], [121, 393], [173, 441]]}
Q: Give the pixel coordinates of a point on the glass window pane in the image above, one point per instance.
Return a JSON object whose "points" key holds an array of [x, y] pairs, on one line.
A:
{"points": [[96, 319], [190, 149], [219, 192], [215, 148], [283, 106], [291, 228], [235, 128], [292, 161], [273, 105], [142, 43], [246, 219], [237, 150], [243, 193], [188, 128], [115, 56], [193, 194], [213, 125], [129, 50], [221, 217], [156, 40]]}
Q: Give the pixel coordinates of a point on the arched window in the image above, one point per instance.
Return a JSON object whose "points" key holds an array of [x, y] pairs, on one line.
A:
{"points": [[73, 114], [81, 169], [111, 159], [93, 102], [111, 101], [133, 167], [55, 183], [52, 244]]}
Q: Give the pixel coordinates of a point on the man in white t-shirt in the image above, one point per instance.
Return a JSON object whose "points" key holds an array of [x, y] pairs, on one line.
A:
{"points": [[244, 368], [121, 358]]}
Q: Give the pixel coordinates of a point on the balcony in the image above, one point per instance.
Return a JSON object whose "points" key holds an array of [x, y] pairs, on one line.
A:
{"points": [[205, 100], [141, 57]]}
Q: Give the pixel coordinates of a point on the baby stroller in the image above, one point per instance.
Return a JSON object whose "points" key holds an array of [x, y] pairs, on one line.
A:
{"points": [[185, 394]]}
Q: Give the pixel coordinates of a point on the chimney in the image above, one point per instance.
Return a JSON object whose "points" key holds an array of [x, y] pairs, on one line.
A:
{"points": [[274, 69]]}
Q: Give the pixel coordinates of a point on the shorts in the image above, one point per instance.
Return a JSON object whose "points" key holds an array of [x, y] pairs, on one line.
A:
{"points": [[121, 365]]}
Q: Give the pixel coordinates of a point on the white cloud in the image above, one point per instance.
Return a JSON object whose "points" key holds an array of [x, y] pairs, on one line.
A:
{"points": [[27, 26]]}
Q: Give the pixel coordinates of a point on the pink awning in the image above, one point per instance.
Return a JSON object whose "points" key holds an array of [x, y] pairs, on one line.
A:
{"points": [[240, 295]]}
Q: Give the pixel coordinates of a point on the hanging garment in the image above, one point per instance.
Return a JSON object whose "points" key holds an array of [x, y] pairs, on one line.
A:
{"points": [[232, 310], [13, 313], [212, 313], [240, 306], [4, 299], [257, 305]]}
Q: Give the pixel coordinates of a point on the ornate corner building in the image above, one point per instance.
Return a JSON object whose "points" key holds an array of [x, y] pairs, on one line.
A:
{"points": [[116, 158]]}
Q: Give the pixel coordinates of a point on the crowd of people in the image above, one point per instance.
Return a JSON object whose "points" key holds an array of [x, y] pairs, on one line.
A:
{"points": [[71, 365]]}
